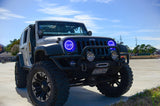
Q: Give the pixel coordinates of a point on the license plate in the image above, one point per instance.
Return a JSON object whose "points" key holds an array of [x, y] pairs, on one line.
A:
{"points": [[99, 71]]}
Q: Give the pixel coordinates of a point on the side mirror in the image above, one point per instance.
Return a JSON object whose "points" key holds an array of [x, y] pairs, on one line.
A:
{"points": [[89, 33]]}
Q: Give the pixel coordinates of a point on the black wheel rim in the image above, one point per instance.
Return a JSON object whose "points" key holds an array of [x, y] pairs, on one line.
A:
{"points": [[116, 82], [41, 86]]}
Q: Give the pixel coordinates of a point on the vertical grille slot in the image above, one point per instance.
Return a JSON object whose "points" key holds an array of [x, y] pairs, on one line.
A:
{"points": [[79, 47], [102, 49], [83, 44], [106, 45], [92, 43], [98, 50]]}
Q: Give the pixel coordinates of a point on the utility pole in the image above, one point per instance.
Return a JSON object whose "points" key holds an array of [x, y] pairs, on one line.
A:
{"points": [[136, 41], [121, 40]]}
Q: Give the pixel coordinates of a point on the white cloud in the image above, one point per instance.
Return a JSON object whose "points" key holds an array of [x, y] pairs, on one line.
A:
{"points": [[78, 0], [149, 38], [157, 46], [29, 22], [104, 1], [87, 19], [148, 30], [59, 10], [115, 21], [100, 1], [2, 10], [47, 5], [6, 14], [39, 0], [66, 13], [119, 26], [123, 33]]}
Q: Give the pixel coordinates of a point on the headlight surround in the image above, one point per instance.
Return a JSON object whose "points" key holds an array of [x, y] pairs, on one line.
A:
{"points": [[69, 45], [90, 56]]}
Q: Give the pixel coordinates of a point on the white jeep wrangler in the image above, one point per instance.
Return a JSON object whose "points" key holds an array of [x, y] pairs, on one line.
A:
{"points": [[57, 55]]}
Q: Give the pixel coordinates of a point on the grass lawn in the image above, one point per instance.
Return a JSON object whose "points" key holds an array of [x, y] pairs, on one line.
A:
{"points": [[147, 98]]}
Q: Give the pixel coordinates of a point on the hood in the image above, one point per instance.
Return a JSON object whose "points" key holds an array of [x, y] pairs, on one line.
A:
{"points": [[53, 39]]}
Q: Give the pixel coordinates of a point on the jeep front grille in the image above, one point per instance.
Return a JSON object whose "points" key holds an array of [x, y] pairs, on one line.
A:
{"points": [[96, 51]]}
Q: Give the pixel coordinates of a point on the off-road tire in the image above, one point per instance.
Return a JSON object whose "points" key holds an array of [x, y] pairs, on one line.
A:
{"points": [[59, 85], [124, 85], [20, 76]]}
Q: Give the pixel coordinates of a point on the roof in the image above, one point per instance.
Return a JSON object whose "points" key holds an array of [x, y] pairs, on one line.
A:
{"points": [[58, 21]]}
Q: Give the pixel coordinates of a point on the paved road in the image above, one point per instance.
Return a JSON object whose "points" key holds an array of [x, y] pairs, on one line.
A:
{"points": [[146, 75]]}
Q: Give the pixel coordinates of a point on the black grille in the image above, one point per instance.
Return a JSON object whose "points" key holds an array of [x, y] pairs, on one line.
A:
{"points": [[98, 51]]}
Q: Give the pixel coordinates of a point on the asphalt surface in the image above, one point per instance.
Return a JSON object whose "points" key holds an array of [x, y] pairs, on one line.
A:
{"points": [[146, 75]]}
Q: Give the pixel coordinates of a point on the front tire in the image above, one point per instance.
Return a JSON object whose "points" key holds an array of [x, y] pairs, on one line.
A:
{"points": [[120, 84], [47, 85], [20, 76]]}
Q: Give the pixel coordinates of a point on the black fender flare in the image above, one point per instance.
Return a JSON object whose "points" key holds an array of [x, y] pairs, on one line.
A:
{"points": [[19, 58], [122, 48], [124, 51], [50, 50]]}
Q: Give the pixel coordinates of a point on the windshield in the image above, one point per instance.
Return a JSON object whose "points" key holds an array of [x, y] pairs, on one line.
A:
{"points": [[61, 28]]}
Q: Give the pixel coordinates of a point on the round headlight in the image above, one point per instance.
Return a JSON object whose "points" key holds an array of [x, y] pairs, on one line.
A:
{"points": [[114, 55], [69, 45], [111, 43], [90, 56]]}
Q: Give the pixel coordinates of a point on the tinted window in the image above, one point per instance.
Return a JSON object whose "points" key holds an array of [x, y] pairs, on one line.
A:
{"points": [[21, 42], [25, 36]]}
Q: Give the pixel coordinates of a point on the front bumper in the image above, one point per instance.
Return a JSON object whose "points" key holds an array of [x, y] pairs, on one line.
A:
{"points": [[81, 61]]}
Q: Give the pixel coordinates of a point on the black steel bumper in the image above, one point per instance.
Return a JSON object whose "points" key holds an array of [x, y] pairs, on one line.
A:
{"points": [[82, 57]]}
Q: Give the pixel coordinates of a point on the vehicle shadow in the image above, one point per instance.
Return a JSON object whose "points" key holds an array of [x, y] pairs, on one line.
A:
{"points": [[81, 97], [23, 93]]}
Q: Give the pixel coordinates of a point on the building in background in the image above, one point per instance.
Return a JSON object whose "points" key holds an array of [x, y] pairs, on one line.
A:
{"points": [[1, 48]]}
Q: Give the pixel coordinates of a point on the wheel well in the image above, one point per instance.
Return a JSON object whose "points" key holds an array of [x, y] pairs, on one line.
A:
{"points": [[17, 58], [39, 56]]}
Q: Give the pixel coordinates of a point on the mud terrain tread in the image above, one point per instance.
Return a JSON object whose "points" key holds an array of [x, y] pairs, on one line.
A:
{"points": [[123, 88], [20, 76], [59, 80]]}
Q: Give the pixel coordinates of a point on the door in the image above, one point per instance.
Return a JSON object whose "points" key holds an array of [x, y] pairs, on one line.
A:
{"points": [[25, 48]]}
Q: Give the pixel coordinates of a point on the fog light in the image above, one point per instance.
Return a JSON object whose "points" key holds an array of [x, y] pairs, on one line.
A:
{"points": [[114, 55], [90, 56]]}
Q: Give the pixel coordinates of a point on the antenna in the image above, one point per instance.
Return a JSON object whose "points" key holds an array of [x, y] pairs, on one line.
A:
{"points": [[120, 39]]}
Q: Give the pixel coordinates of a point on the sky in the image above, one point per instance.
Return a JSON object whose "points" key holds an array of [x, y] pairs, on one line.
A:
{"points": [[130, 19]]}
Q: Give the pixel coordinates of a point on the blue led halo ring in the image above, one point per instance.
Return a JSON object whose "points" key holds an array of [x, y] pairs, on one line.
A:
{"points": [[111, 43], [69, 45]]}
